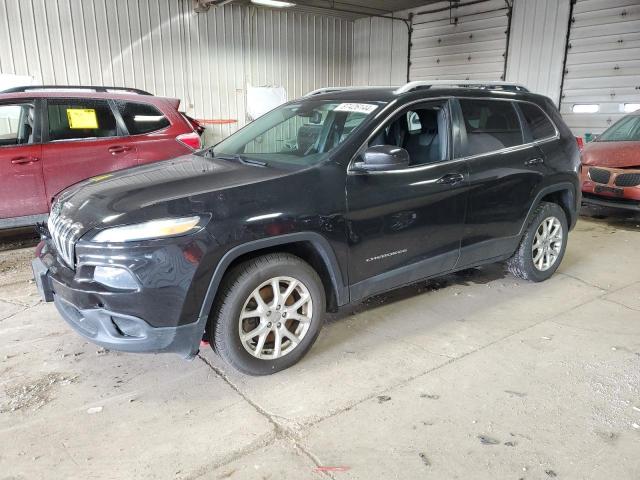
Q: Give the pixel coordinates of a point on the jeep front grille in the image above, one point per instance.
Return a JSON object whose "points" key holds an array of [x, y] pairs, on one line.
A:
{"points": [[64, 233], [628, 180], [599, 175]]}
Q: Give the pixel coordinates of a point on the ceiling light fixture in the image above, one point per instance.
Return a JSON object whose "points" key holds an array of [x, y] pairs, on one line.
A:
{"points": [[273, 3]]}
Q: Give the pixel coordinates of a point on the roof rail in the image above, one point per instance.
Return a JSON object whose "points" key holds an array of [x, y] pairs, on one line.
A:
{"points": [[74, 87], [319, 91], [488, 84]]}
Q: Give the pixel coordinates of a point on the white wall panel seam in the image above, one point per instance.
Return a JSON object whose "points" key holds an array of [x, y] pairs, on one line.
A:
{"points": [[380, 51], [9, 51], [537, 44]]}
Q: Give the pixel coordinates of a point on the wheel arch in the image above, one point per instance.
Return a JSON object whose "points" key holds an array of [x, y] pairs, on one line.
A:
{"points": [[562, 194], [309, 246]]}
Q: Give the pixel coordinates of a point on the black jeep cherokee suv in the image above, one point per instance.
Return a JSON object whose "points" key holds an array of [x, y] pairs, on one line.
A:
{"points": [[325, 200]]}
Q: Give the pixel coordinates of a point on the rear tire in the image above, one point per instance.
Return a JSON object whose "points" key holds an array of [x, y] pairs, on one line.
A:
{"points": [[259, 332], [543, 244]]}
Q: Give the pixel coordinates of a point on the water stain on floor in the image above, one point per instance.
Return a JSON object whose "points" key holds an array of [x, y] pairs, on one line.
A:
{"points": [[35, 394], [470, 276], [616, 218]]}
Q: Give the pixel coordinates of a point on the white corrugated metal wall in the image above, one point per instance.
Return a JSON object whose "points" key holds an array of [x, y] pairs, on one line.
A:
{"points": [[162, 46], [537, 44], [603, 63], [380, 51], [208, 59]]}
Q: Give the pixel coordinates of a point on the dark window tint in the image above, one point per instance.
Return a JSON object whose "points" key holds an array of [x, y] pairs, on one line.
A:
{"points": [[142, 117], [16, 124], [491, 125], [539, 124], [71, 119], [421, 131]]}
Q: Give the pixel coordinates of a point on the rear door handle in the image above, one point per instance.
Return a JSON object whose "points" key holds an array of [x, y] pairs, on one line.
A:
{"points": [[24, 160], [450, 179], [534, 161], [118, 149]]}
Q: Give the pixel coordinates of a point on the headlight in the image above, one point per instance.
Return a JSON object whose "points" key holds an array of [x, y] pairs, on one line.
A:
{"points": [[166, 227]]}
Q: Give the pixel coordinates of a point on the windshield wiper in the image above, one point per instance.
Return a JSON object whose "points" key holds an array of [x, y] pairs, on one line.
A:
{"points": [[239, 158]]}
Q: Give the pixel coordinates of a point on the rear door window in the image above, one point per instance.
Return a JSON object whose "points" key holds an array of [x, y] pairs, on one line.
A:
{"points": [[142, 118], [538, 122], [491, 125], [76, 119], [16, 124]]}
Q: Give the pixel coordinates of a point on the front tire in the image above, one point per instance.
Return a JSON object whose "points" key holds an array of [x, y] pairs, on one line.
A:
{"points": [[543, 244], [268, 313]]}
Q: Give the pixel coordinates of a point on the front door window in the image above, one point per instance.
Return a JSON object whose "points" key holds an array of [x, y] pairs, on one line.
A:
{"points": [[421, 131], [16, 124]]}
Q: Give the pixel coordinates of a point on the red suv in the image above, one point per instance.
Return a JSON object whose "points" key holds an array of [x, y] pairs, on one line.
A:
{"points": [[53, 137], [611, 166]]}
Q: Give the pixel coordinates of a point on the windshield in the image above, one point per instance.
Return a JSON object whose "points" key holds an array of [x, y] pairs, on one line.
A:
{"points": [[300, 134], [627, 129]]}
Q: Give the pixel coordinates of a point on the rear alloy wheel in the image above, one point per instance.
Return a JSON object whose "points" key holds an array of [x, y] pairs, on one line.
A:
{"points": [[268, 313], [543, 244], [547, 244]]}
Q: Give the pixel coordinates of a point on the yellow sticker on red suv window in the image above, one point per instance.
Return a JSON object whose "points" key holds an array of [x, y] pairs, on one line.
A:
{"points": [[82, 118]]}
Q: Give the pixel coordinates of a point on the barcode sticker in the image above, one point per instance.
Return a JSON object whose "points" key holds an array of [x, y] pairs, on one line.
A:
{"points": [[365, 108]]}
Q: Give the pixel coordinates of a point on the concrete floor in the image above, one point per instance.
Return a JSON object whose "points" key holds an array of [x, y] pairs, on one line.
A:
{"points": [[477, 375]]}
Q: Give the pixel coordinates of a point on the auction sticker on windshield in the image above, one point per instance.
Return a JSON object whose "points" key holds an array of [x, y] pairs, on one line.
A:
{"points": [[356, 107]]}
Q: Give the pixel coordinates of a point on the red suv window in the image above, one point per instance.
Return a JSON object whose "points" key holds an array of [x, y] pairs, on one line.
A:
{"points": [[142, 118], [71, 119], [16, 124]]}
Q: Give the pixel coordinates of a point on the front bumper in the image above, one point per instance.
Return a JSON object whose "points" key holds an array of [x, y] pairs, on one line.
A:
{"points": [[156, 317], [600, 201], [128, 334], [612, 193]]}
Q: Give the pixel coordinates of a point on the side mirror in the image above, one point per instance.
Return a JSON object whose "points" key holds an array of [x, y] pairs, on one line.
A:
{"points": [[383, 157], [315, 118]]}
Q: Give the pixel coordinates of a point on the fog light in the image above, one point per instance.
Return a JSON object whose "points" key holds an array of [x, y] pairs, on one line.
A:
{"points": [[129, 328], [115, 277]]}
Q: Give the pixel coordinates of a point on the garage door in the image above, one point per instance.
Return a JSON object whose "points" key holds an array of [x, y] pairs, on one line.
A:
{"points": [[602, 74], [468, 41]]}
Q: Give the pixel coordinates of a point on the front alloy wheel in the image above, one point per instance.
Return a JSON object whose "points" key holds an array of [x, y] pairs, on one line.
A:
{"points": [[268, 312], [275, 318]]}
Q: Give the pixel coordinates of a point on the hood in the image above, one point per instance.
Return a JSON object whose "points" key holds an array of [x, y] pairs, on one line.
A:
{"points": [[612, 154], [170, 188]]}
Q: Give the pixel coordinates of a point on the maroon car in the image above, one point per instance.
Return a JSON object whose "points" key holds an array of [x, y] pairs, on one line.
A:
{"points": [[611, 166], [53, 137]]}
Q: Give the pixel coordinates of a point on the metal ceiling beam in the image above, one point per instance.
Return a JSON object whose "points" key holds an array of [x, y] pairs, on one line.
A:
{"points": [[200, 6]]}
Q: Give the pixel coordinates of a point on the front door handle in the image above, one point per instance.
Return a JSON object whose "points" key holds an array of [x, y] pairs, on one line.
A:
{"points": [[24, 160], [118, 149], [450, 179], [534, 161]]}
